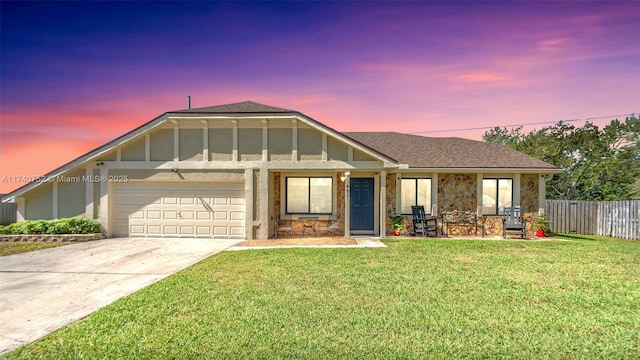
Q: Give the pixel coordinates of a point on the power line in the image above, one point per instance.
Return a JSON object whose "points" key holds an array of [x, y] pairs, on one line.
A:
{"points": [[610, 116], [523, 124]]}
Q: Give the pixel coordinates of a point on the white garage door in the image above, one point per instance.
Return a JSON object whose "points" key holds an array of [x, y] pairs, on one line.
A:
{"points": [[187, 209]]}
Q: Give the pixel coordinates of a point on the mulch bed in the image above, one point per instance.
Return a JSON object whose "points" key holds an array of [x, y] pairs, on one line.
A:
{"points": [[299, 242]]}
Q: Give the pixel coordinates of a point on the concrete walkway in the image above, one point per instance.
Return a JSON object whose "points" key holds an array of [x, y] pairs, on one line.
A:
{"points": [[361, 242], [45, 290]]}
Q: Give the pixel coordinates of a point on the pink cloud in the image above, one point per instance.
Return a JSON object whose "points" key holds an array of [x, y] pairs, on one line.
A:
{"points": [[20, 161], [482, 77], [554, 45], [405, 68]]}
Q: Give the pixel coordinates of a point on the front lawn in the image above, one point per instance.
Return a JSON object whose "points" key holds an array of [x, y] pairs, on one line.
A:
{"points": [[10, 248], [573, 299]]}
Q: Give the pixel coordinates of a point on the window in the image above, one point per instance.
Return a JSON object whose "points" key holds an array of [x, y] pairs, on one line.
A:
{"points": [[496, 194], [309, 195], [415, 192]]}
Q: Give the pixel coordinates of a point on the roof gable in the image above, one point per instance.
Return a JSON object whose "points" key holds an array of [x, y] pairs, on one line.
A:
{"points": [[389, 147], [253, 109]]}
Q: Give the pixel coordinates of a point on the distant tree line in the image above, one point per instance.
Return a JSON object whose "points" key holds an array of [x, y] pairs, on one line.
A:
{"points": [[598, 164]]}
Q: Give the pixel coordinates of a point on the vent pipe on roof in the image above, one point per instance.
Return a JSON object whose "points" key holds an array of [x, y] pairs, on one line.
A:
{"points": [[189, 101]]}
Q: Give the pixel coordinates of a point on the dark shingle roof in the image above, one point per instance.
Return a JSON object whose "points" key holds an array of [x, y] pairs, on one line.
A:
{"points": [[237, 108], [427, 152]]}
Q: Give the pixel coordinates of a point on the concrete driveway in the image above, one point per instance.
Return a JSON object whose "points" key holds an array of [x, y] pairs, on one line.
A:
{"points": [[45, 290]]}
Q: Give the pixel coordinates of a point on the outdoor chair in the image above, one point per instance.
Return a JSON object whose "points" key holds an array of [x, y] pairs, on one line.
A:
{"points": [[427, 225], [285, 226], [512, 222], [332, 226]]}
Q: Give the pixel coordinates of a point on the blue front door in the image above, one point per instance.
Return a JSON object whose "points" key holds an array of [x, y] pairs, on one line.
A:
{"points": [[362, 204]]}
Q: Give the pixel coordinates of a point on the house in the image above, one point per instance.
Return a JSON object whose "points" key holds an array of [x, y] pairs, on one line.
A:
{"points": [[233, 170]]}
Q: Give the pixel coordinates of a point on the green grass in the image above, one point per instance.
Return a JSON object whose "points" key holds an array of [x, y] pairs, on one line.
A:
{"points": [[10, 248], [417, 299]]}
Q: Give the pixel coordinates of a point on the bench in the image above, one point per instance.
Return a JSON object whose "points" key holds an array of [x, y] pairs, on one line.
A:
{"points": [[460, 218]]}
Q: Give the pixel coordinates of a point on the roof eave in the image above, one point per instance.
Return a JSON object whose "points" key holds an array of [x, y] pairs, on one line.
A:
{"points": [[521, 170]]}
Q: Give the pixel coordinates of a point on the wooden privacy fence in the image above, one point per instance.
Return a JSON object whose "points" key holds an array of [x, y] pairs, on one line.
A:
{"points": [[620, 219], [8, 213]]}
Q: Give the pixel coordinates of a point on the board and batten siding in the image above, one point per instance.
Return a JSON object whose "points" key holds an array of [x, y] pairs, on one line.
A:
{"points": [[196, 149]]}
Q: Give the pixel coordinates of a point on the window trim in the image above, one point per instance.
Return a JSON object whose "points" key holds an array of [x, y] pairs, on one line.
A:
{"points": [[497, 179], [286, 194], [426, 211]]}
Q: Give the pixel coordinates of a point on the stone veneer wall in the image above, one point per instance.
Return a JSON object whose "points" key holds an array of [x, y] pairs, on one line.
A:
{"points": [[391, 207], [392, 186], [276, 195], [529, 193], [528, 202], [340, 205], [297, 226], [455, 192], [459, 192], [51, 238]]}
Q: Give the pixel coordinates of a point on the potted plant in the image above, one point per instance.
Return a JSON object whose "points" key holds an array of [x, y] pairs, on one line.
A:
{"points": [[541, 224], [397, 223]]}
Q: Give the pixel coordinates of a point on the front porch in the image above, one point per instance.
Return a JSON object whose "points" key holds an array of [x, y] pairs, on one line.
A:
{"points": [[342, 203]]}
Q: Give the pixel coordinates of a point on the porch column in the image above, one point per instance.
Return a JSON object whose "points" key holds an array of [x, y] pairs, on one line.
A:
{"points": [[398, 208], [516, 190], [479, 179], [263, 202], [434, 194], [248, 201], [383, 203], [542, 194], [347, 204]]}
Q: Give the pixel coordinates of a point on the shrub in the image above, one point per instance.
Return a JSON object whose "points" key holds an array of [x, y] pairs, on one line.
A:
{"points": [[35, 227], [59, 226], [15, 228]]}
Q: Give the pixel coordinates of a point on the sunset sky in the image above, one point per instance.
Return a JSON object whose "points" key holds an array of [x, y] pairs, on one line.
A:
{"points": [[74, 75]]}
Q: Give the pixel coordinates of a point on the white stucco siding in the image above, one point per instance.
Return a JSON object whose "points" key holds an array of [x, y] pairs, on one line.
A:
{"points": [[309, 144], [280, 144], [72, 194], [191, 144], [133, 151], [161, 144], [39, 202]]}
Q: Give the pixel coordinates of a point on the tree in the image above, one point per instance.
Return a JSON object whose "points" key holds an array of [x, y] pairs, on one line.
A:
{"points": [[598, 164]]}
